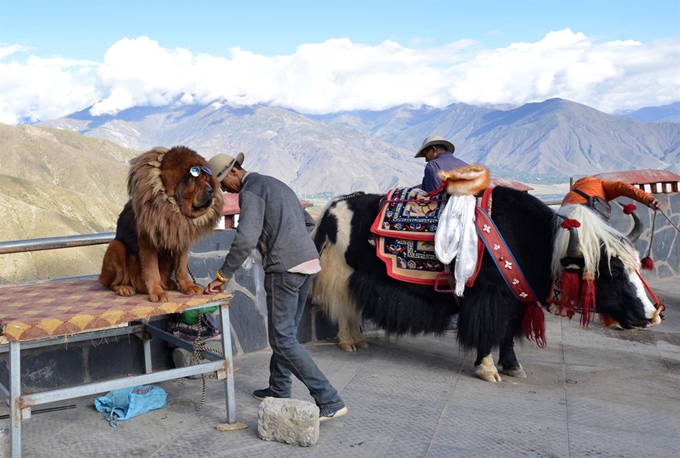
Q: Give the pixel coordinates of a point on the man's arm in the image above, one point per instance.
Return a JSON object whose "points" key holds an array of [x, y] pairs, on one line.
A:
{"points": [[614, 189], [251, 221]]}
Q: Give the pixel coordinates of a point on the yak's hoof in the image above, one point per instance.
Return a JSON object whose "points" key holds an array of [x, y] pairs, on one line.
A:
{"points": [[486, 370], [517, 373], [489, 376], [347, 347], [361, 344]]}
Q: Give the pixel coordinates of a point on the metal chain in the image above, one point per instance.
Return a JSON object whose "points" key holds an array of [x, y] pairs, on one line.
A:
{"points": [[191, 274], [199, 348]]}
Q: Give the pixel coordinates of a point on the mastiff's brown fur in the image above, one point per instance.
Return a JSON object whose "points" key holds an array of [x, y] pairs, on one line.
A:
{"points": [[168, 211]]}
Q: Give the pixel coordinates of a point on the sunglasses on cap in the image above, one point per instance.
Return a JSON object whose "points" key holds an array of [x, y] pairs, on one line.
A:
{"points": [[195, 171]]}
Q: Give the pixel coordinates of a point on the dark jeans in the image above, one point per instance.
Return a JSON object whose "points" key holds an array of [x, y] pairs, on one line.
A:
{"points": [[286, 297]]}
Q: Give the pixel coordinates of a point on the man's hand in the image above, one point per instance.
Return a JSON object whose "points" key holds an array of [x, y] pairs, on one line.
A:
{"points": [[654, 204], [215, 286]]}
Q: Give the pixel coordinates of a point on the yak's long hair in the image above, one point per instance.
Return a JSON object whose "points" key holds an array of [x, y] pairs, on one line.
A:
{"points": [[158, 216]]}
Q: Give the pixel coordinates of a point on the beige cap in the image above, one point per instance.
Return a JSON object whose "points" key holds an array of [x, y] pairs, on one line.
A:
{"points": [[221, 164], [435, 140]]}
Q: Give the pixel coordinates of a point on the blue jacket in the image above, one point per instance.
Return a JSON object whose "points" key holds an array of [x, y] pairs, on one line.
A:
{"points": [[445, 161]]}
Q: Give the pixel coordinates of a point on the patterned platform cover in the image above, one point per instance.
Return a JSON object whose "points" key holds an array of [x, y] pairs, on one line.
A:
{"points": [[70, 306]]}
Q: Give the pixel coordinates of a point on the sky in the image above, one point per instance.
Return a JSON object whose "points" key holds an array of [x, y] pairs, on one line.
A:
{"points": [[62, 56]]}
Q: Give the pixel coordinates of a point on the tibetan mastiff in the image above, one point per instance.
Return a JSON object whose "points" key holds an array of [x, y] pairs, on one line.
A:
{"points": [[175, 200]]}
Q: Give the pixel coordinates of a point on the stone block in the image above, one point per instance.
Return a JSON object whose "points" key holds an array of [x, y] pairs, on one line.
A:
{"points": [[290, 421]]}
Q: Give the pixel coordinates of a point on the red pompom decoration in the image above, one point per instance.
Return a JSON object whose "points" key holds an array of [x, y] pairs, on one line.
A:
{"points": [[569, 223], [647, 263], [629, 208]]}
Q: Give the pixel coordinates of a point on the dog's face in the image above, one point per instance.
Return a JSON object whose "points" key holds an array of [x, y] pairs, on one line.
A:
{"points": [[188, 179]]}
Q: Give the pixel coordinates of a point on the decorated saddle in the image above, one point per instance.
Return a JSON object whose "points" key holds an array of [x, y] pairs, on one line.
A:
{"points": [[404, 234], [408, 220], [407, 223]]}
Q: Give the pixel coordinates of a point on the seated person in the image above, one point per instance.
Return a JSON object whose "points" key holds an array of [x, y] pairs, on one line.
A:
{"points": [[438, 154]]}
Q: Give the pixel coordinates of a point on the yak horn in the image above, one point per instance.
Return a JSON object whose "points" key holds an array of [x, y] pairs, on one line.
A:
{"points": [[636, 232], [574, 249]]}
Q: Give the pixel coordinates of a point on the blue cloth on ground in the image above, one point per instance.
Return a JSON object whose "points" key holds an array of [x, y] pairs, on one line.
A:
{"points": [[126, 403]]}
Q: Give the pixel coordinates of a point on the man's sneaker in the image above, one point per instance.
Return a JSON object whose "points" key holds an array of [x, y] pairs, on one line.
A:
{"points": [[326, 413], [264, 393]]}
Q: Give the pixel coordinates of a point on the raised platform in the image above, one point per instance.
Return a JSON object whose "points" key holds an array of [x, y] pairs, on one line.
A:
{"points": [[56, 313]]}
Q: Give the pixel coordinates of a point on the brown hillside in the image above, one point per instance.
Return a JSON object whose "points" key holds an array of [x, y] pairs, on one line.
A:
{"points": [[55, 183]]}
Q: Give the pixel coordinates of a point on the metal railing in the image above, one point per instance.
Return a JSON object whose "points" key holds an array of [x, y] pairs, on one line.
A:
{"points": [[72, 241], [53, 243]]}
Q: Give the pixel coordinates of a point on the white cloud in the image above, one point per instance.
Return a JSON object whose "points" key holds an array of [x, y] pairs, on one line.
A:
{"points": [[6, 50], [40, 89], [340, 75]]}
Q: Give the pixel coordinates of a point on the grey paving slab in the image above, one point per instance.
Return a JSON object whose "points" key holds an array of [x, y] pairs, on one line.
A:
{"points": [[590, 392]]}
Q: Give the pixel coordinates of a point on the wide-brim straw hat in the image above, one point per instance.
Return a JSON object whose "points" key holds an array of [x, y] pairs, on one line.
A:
{"points": [[221, 164], [435, 140]]}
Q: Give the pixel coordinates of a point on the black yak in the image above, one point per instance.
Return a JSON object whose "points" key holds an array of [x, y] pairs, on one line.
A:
{"points": [[354, 281]]}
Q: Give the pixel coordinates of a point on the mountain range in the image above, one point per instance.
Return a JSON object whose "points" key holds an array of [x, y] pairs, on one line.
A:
{"points": [[665, 113], [67, 176], [373, 150]]}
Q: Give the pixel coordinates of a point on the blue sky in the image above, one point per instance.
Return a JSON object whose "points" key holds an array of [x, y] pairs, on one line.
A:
{"points": [[57, 57], [85, 29]]}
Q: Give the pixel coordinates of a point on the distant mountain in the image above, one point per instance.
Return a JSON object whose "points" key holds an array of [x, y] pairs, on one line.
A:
{"points": [[55, 183], [373, 151], [554, 137], [665, 113], [310, 155]]}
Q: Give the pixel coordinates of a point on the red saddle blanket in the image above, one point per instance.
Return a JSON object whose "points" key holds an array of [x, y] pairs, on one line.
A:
{"points": [[404, 234]]}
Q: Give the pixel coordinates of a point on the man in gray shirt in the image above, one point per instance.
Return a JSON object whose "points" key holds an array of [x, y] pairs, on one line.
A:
{"points": [[272, 219]]}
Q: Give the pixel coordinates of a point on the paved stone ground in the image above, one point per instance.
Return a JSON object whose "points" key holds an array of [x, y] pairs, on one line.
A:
{"points": [[594, 392]]}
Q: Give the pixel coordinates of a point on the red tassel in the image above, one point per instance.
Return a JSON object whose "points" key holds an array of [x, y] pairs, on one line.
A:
{"points": [[588, 294], [534, 324], [629, 208], [647, 263], [571, 285]]}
